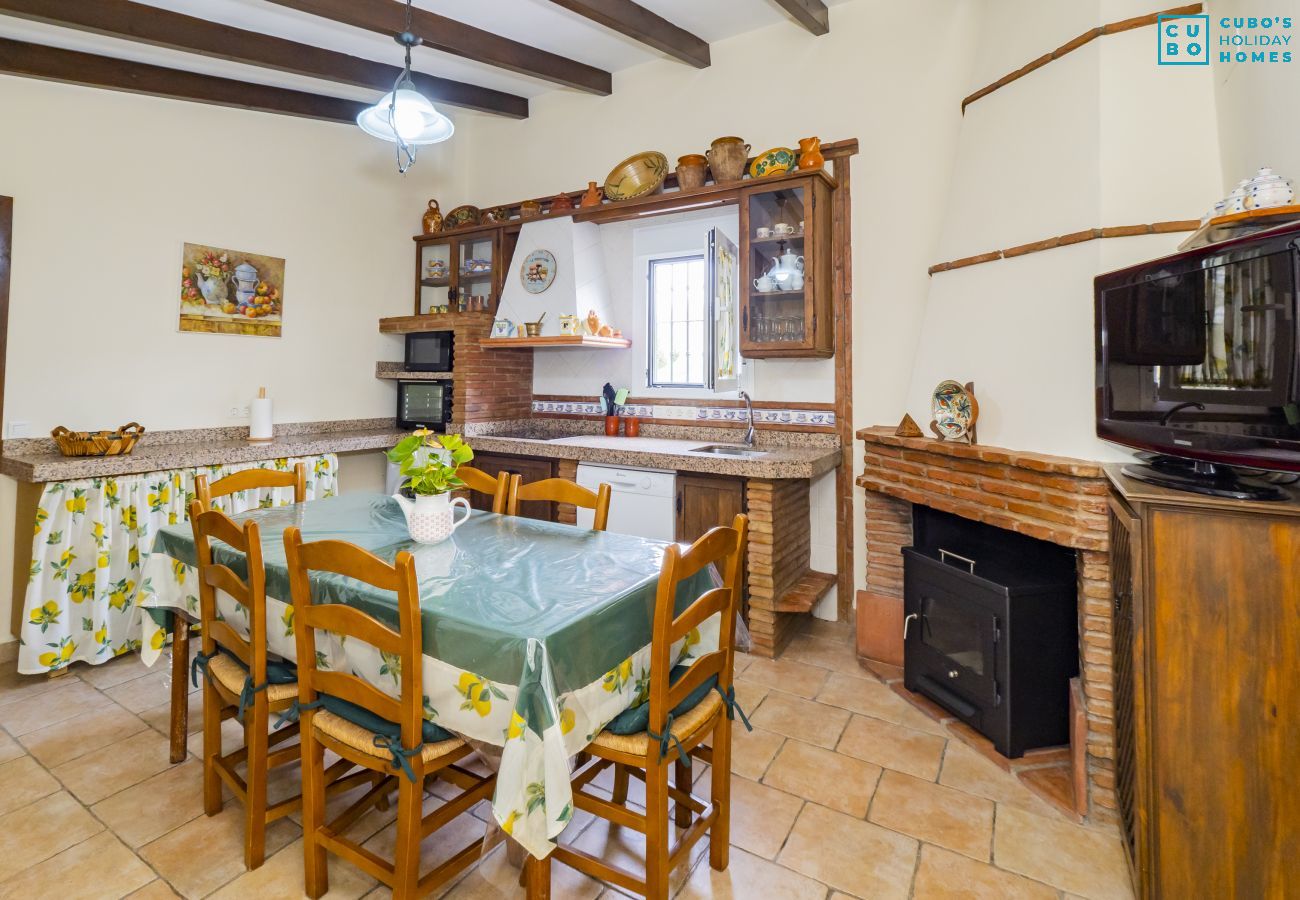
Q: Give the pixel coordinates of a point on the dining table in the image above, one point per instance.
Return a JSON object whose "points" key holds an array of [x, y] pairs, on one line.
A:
{"points": [[535, 634]]}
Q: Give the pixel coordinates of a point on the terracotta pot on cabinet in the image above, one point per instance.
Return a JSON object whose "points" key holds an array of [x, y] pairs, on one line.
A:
{"points": [[561, 203], [727, 158], [432, 220], [810, 153], [530, 209], [591, 197], [691, 169]]}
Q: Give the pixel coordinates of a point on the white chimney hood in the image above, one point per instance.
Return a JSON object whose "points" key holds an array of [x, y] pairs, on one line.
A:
{"points": [[580, 284]]}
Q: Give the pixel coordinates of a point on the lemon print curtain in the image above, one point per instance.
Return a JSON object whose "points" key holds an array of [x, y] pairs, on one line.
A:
{"points": [[91, 547]]}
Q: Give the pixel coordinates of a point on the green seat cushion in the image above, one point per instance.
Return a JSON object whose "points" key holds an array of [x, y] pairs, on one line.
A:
{"points": [[359, 715], [635, 719], [278, 671]]}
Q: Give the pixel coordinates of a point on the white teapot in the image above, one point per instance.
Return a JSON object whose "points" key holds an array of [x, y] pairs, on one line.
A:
{"points": [[1267, 190], [429, 517], [787, 265]]}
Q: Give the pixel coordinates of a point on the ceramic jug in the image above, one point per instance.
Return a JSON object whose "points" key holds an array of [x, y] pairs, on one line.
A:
{"points": [[432, 220], [245, 279], [810, 153], [591, 197], [429, 517], [727, 158], [691, 169]]}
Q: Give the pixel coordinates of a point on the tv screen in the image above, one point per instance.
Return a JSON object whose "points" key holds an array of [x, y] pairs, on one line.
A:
{"points": [[1197, 353]]}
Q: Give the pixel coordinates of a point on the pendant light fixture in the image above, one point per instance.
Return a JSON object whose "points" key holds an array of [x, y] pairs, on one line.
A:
{"points": [[404, 115]]}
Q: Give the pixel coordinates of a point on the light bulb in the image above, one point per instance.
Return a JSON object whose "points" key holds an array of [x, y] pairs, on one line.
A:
{"points": [[408, 121]]}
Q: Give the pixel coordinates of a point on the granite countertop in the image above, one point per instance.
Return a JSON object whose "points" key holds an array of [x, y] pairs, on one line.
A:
{"points": [[784, 454], [38, 460]]}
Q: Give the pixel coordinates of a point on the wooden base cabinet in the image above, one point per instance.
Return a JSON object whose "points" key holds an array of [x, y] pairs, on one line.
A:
{"points": [[1206, 664], [529, 468]]}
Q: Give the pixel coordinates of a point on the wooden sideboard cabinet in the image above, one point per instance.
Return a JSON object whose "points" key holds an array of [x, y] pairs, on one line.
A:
{"points": [[1207, 691], [529, 468]]}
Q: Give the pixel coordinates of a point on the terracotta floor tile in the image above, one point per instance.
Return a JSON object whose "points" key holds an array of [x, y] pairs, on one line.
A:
{"points": [[834, 654], [893, 746], [15, 687], [761, 817], [742, 661], [221, 838], [849, 854], [282, 876], [154, 890], [71, 698], [748, 876], [967, 770], [497, 878], [749, 695], [824, 776], [1071, 857], [232, 738], [23, 781], [835, 631], [944, 875], [117, 670], [934, 814], [96, 868], [805, 720], [70, 739], [871, 698], [437, 847], [625, 848], [39, 830], [159, 717], [753, 751], [155, 806], [787, 675], [115, 767], [143, 693], [9, 748]]}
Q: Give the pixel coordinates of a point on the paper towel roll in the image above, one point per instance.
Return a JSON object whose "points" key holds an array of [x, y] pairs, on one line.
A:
{"points": [[259, 420]]}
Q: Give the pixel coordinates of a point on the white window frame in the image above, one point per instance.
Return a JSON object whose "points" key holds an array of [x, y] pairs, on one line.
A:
{"points": [[706, 348]]}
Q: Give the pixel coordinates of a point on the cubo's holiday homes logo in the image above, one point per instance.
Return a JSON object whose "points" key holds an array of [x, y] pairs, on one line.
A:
{"points": [[1184, 40]]}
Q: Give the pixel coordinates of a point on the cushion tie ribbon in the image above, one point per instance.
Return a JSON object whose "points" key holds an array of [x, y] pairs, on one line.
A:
{"points": [[401, 756], [295, 710], [668, 738], [729, 697], [200, 664]]}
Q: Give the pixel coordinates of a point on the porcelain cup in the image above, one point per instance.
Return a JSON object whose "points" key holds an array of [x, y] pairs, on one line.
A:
{"points": [[783, 228], [763, 232], [796, 281], [764, 284]]}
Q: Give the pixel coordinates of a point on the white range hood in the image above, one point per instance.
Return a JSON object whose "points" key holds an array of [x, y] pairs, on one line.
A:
{"points": [[580, 284]]}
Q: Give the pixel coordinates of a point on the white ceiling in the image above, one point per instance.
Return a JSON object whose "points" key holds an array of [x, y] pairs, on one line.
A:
{"points": [[539, 23]]}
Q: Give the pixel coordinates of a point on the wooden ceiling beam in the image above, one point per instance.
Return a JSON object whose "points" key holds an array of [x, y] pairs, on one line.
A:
{"points": [[640, 24], [175, 31], [457, 38], [90, 70], [811, 14]]}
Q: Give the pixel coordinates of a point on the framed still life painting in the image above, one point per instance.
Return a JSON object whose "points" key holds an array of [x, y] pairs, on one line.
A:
{"points": [[231, 291]]}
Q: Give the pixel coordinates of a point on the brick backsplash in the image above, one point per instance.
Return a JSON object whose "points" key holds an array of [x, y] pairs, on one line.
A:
{"points": [[1053, 498]]}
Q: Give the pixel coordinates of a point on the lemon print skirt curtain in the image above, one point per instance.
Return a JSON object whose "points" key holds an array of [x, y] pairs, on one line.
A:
{"points": [[92, 546]]}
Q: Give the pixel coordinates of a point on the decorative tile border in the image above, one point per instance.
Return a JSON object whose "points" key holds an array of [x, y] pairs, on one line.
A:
{"points": [[810, 417]]}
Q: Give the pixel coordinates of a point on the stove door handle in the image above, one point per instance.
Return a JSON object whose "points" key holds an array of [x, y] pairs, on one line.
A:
{"points": [[908, 621], [944, 555]]}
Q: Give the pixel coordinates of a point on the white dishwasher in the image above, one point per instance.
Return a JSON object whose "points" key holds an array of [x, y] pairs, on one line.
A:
{"points": [[644, 501]]}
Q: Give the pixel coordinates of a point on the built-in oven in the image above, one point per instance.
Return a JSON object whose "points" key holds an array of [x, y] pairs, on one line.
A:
{"points": [[424, 404], [430, 351]]}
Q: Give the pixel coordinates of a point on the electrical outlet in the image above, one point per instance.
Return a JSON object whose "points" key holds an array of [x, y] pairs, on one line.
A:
{"points": [[17, 429], [674, 412], [234, 412], [243, 412]]}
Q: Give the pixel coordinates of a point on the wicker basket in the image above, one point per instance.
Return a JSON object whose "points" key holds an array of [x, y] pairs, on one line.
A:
{"points": [[97, 443]]}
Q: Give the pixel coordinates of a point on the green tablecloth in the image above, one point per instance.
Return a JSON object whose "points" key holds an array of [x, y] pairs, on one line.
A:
{"points": [[535, 634]]}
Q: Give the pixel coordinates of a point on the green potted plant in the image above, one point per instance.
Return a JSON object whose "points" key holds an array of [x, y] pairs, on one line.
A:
{"points": [[428, 464]]}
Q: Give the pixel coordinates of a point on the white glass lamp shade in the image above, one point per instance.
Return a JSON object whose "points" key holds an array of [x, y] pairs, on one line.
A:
{"points": [[413, 119]]}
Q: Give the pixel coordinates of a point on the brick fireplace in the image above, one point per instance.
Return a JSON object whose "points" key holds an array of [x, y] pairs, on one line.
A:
{"points": [[1051, 498]]}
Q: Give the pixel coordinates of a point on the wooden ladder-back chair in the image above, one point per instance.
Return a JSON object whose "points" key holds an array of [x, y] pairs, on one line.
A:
{"points": [[249, 479], [205, 494], [674, 734], [406, 756], [560, 490], [498, 487], [237, 681]]}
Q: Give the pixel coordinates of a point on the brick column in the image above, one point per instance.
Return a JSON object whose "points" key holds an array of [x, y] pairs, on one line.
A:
{"points": [[779, 552], [566, 513]]}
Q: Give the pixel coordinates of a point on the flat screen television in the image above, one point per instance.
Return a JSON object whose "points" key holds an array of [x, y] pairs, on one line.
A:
{"points": [[1197, 364]]}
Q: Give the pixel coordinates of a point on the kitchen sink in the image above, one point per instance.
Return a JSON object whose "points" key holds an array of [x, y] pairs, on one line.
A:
{"points": [[729, 450]]}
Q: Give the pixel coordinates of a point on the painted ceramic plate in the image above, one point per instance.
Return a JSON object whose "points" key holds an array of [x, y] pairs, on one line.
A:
{"points": [[538, 271], [636, 176], [951, 410], [776, 161], [461, 217]]}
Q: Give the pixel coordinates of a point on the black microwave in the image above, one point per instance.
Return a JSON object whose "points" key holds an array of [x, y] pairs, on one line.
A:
{"points": [[429, 351], [424, 404]]}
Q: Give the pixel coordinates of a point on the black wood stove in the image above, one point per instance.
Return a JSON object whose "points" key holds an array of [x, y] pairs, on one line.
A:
{"points": [[991, 628]]}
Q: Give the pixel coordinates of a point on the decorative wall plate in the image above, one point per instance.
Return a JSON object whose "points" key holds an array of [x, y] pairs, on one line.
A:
{"points": [[538, 271], [953, 409], [461, 217], [640, 174]]}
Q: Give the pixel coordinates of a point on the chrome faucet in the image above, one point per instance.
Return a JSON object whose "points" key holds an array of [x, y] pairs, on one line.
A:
{"points": [[749, 408]]}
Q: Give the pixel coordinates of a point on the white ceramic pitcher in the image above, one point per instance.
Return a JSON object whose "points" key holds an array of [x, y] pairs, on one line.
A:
{"points": [[429, 517]]}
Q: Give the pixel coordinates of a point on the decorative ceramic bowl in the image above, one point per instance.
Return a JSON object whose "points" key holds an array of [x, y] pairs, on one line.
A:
{"points": [[952, 410], [636, 176], [461, 217], [776, 161]]}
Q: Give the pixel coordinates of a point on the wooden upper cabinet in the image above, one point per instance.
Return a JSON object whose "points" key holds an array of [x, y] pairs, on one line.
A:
{"points": [[462, 273], [790, 320]]}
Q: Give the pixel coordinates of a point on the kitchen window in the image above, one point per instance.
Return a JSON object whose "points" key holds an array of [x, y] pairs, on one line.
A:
{"points": [[679, 326]]}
